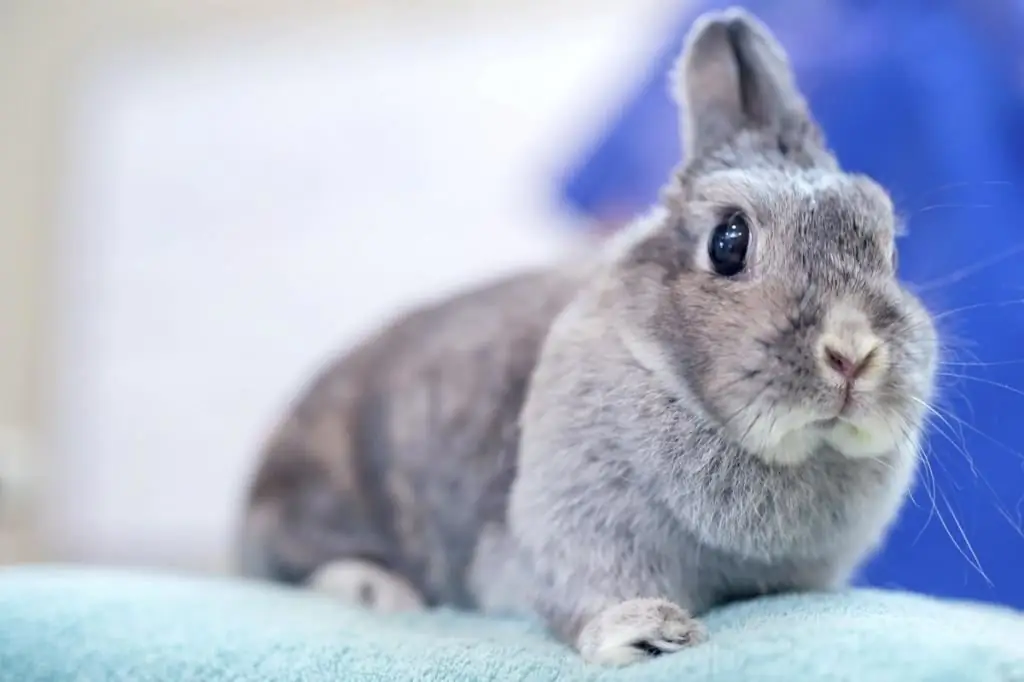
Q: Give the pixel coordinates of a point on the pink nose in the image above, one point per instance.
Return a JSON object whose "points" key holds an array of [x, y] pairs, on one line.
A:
{"points": [[844, 365]]}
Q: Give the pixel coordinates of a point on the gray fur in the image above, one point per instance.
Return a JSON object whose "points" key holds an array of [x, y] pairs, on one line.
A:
{"points": [[637, 428], [401, 451]]}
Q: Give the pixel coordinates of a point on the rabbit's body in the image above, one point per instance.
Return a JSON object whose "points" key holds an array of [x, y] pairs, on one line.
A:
{"points": [[405, 449], [728, 404]]}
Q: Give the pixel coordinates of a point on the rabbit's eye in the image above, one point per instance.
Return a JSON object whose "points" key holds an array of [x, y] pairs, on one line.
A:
{"points": [[728, 246]]}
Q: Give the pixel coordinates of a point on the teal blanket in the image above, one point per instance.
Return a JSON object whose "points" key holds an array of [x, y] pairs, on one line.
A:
{"points": [[85, 625]]}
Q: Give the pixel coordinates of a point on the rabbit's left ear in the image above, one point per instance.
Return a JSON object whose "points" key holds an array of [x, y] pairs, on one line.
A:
{"points": [[734, 75]]}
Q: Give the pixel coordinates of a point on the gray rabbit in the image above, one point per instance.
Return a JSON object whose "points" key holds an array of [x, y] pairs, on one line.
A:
{"points": [[726, 402]]}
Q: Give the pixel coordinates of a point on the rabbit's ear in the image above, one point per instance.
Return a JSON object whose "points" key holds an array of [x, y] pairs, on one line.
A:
{"points": [[733, 75]]}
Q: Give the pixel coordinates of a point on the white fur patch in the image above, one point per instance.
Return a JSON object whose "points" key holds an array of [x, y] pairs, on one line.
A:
{"points": [[861, 440], [793, 447], [361, 583]]}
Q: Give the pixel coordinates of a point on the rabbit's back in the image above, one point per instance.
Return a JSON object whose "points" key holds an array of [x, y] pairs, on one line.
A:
{"points": [[405, 448]]}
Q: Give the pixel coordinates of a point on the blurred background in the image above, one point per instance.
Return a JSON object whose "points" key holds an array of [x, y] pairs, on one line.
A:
{"points": [[201, 202]]}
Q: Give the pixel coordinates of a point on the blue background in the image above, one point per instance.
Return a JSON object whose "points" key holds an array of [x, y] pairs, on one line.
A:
{"points": [[928, 98]]}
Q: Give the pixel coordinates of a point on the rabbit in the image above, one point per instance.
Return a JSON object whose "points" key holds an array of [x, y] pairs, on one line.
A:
{"points": [[723, 402]]}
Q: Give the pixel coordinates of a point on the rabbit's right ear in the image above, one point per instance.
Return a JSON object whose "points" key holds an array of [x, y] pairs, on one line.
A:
{"points": [[733, 76]]}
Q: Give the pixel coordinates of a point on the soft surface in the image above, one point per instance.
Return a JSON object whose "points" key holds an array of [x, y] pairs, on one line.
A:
{"points": [[64, 624]]}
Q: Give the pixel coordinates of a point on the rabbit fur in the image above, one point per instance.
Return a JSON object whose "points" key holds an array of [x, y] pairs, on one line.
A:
{"points": [[617, 445]]}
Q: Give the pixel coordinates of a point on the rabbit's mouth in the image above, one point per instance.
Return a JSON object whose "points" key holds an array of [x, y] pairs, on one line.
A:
{"points": [[855, 428], [843, 413], [848, 410], [829, 424]]}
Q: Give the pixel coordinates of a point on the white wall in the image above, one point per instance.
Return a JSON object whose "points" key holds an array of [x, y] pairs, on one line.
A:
{"points": [[240, 208]]}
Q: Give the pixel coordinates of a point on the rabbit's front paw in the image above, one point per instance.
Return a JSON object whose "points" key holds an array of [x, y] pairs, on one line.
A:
{"points": [[638, 629]]}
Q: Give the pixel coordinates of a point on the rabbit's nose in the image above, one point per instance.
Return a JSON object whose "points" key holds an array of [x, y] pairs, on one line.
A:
{"points": [[857, 357], [848, 349], [847, 365]]}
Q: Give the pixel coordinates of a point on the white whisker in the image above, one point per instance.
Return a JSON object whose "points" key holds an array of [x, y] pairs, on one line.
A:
{"points": [[930, 475], [977, 306], [961, 448], [932, 207], [978, 363], [967, 551], [968, 183], [982, 380], [965, 272], [1018, 525]]}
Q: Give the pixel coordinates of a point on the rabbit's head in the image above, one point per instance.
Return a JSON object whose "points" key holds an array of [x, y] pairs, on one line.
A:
{"points": [[765, 283]]}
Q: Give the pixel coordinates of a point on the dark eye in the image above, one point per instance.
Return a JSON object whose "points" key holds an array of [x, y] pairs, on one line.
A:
{"points": [[728, 246]]}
